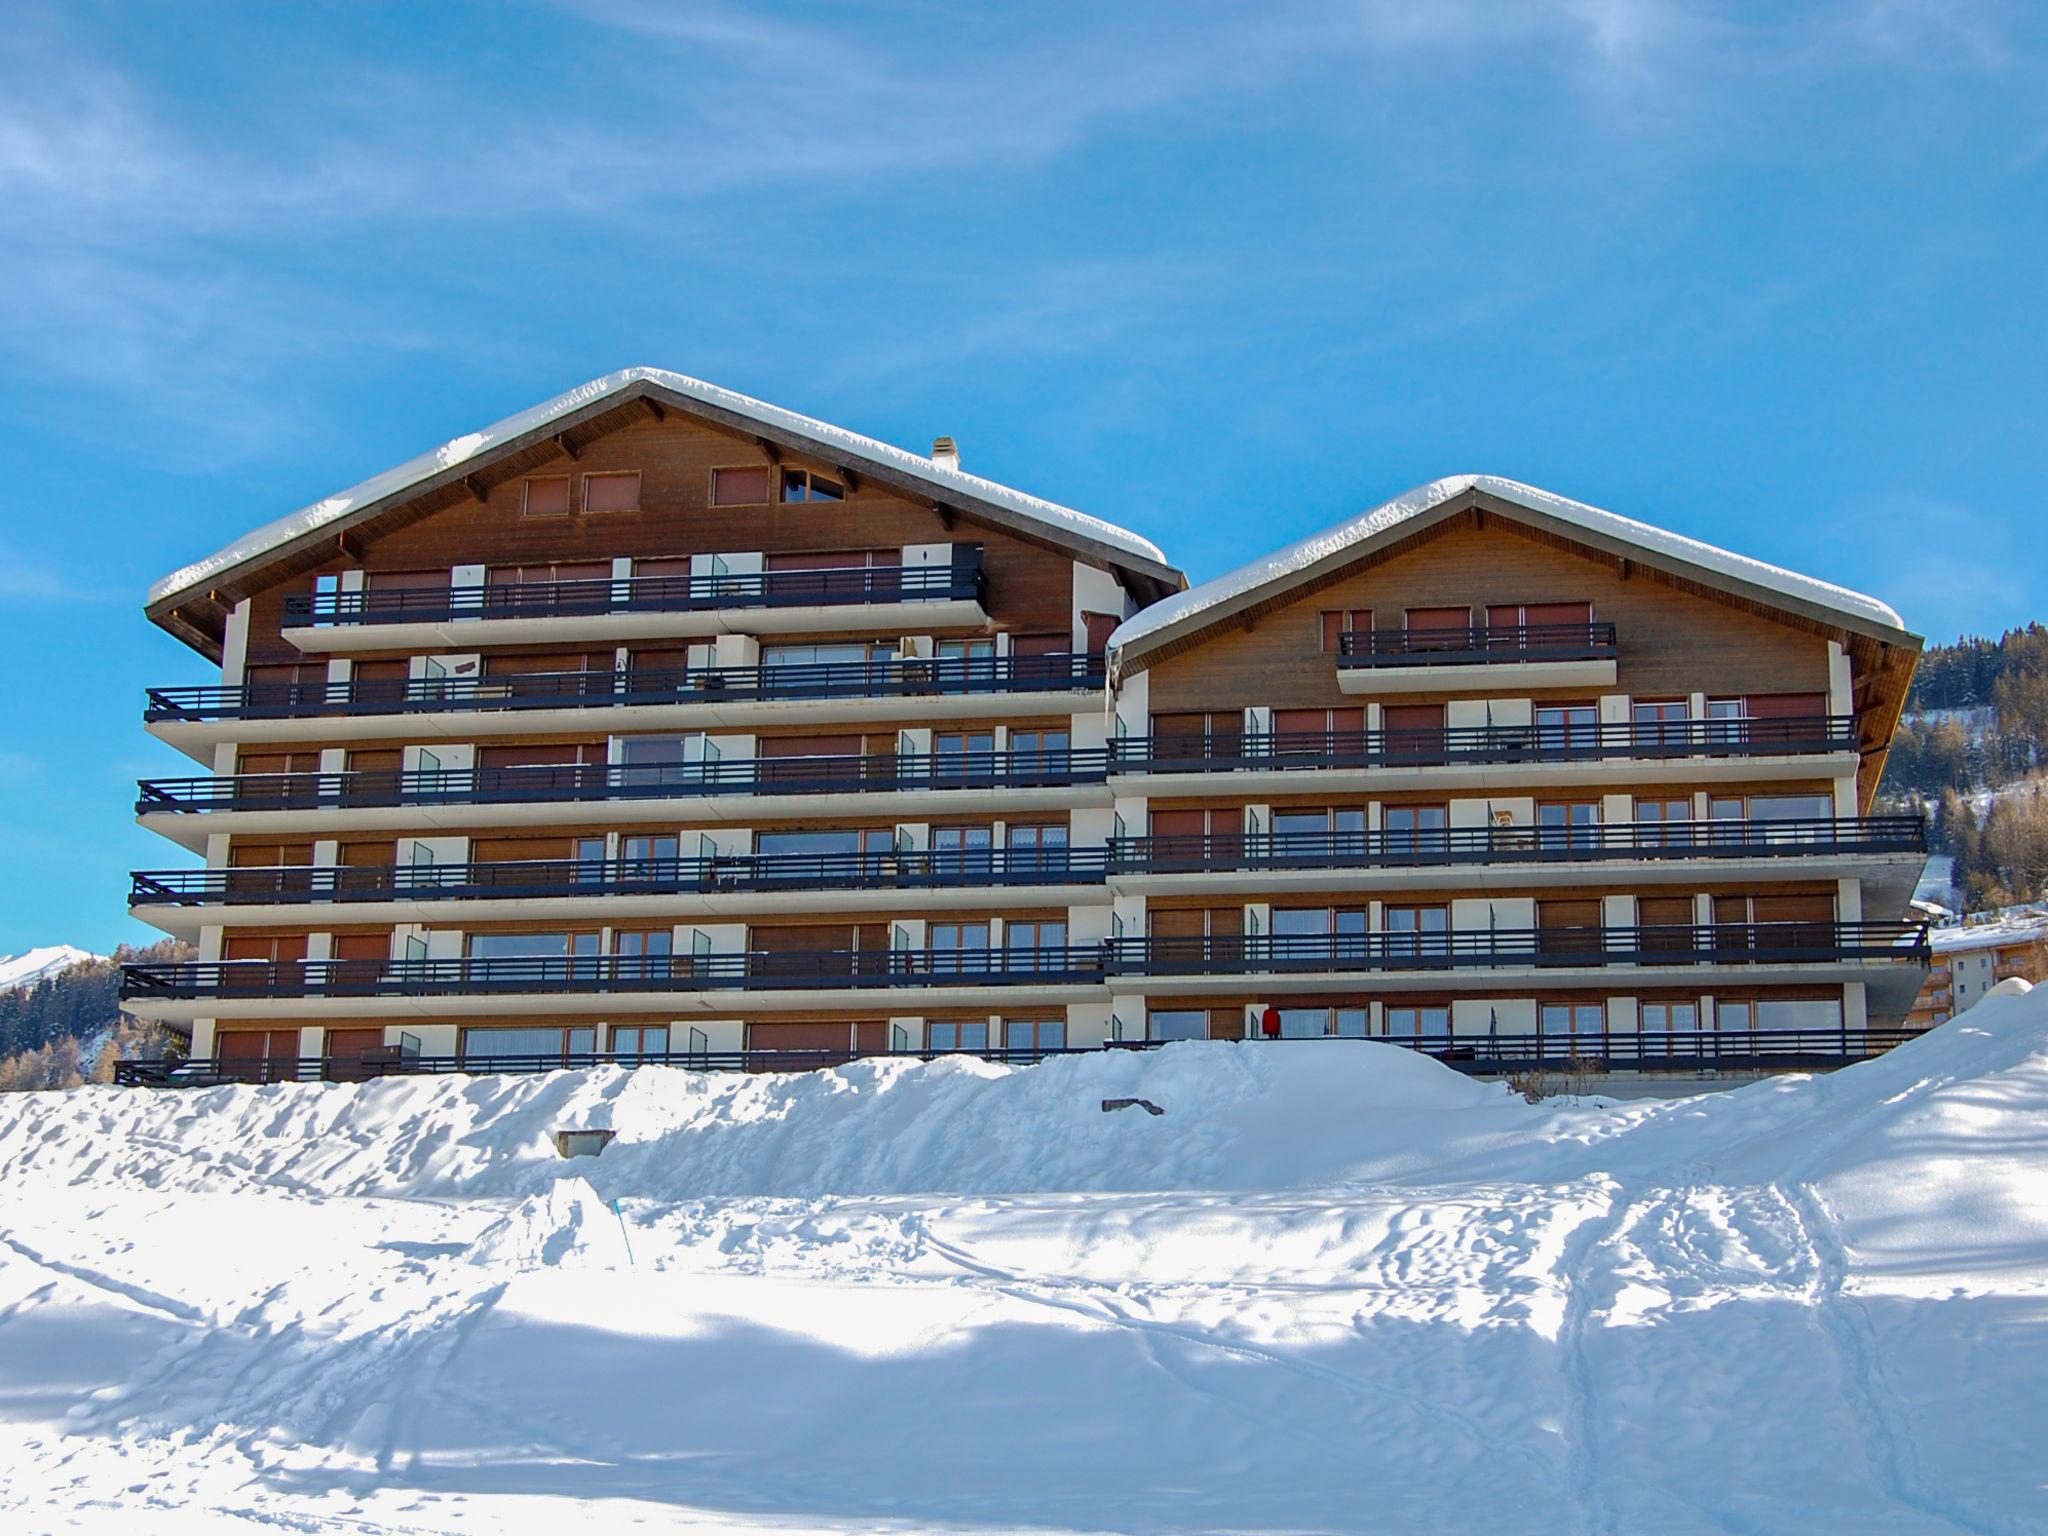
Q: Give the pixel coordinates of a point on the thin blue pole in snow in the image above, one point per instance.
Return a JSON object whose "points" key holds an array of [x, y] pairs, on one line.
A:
{"points": [[623, 1233]]}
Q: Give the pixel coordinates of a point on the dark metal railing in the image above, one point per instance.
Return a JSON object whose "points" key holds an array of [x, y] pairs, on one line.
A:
{"points": [[1657, 944], [1465, 744], [1517, 845], [895, 677], [863, 969], [1271, 954], [892, 869], [1482, 643], [961, 580], [626, 781], [1479, 1055]]}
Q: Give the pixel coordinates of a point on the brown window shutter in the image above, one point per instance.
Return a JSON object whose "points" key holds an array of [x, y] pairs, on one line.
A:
{"points": [[1100, 627]]}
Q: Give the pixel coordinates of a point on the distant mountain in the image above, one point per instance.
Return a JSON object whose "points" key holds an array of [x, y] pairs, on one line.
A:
{"points": [[25, 970]]}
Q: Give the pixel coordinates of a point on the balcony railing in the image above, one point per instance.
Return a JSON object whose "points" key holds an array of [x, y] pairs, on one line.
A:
{"points": [[1482, 1055], [1486, 744], [1491, 643], [543, 783], [1677, 944], [800, 970], [911, 678], [1683, 840], [960, 581], [716, 874]]}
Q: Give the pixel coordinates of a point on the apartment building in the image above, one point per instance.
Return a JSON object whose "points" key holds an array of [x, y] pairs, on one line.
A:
{"points": [[1487, 763], [1968, 961], [653, 720], [660, 722]]}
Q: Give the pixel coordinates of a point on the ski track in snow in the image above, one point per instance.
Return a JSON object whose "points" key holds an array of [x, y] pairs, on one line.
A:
{"points": [[1565, 1322]]}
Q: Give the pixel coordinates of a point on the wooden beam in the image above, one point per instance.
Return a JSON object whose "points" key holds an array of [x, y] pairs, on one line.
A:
{"points": [[562, 442], [774, 453], [850, 480], [945, 515], [654, 408], [476, 488], [349, 551]]}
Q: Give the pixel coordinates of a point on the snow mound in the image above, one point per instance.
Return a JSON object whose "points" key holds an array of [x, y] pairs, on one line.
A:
{"points": [[1237, 1116], [31, 966]]}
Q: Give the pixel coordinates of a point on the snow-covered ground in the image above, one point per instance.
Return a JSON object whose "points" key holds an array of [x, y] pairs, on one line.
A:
{"points": [[1334, 1287]]}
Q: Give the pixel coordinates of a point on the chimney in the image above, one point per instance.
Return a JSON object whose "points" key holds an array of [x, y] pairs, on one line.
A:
{"points": [[945, 453]]}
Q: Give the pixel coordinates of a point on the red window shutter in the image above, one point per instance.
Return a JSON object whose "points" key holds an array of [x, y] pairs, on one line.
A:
{"points": [[1333, 628], [547, 496], [612, 492], [1100, 627], [745, 487]]}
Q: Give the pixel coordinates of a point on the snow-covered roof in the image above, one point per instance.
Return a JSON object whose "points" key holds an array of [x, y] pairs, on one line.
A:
{"points": [[472, 445], [2016, 929], [1354, 534]]}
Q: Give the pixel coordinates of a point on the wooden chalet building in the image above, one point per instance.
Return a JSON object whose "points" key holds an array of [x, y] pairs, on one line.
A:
{"points": [[660, 722]]}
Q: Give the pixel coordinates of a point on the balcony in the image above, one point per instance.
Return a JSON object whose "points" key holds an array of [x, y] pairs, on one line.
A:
{"points": [[616, 792], [1439, 660], [574, 879], [759, 971], [1614, 751], [1661, 842], [1729, 944], [640, 606], [1485, 1055], [898, 677], [675, 698]]}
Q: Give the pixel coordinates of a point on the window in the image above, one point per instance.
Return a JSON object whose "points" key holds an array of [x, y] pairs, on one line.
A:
{"points": [[1026, 940], [530, 946], [547, 496], [1039, 847], [1319, 1023], [814, 655], [557, 1044], [951, 944], [965, 650], [956, 1035], [1670, 1018], [1567, 727], [1035, 1034], [1415, 1022], [1572, 1022], [963, 849], [1178, 1024], [1791, 807], [612, 491], [660, 759], [1568, 824], [1663, 823], [746, 487], [590, 858], [1812, 1013], [1039, 748], [1660, 722], [1418, 930], [1416, 828], [645, 955], [808, 485], [644, 852], [640, 1039], [1339, 622]]}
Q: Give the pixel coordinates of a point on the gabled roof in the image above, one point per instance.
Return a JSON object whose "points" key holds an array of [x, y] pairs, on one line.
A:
{"points": [[1654, 548], [466, 455]]}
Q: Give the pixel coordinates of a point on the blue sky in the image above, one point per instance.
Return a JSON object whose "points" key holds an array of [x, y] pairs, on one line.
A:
{"points": [[1772, 276]]}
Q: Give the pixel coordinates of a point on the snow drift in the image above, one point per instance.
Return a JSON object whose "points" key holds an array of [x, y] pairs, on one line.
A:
{"points": [[1334, 1287]]}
